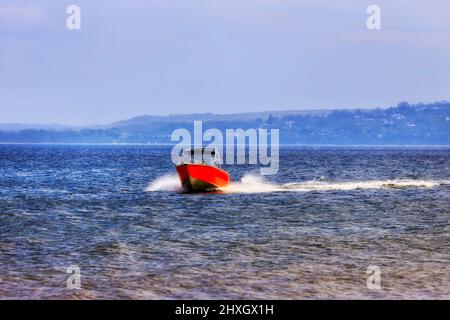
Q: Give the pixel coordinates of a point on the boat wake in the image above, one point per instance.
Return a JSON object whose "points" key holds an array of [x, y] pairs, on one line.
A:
{"points": [[257, 184], [168, 182]]}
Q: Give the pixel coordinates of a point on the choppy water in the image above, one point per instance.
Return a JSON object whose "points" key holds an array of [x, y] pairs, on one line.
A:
{"points": [[311, 231]]}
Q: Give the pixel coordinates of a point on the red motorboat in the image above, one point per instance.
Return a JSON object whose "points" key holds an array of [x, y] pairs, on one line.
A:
{"points": [[201, 172]]}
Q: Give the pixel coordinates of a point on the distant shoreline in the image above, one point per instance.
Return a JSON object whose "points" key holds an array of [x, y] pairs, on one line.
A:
{"points": [[404, 125], [443, 146]]}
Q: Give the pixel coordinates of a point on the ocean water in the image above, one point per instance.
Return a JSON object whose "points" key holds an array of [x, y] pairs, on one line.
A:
{"points": [[309, 232]]}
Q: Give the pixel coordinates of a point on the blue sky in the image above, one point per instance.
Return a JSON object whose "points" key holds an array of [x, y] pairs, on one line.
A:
{"points": [[184, 56]]}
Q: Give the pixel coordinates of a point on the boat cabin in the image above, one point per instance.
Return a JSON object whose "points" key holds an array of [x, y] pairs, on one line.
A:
{"points": [[208, 156]]}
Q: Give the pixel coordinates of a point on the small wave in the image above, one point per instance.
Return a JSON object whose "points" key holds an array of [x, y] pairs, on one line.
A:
{"points": [[256, 184], [168, 182]]}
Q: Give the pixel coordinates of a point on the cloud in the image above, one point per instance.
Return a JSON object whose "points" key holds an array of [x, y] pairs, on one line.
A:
{"points": [[22, 17]]}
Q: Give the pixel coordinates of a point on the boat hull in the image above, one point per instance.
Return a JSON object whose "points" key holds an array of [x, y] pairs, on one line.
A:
{"points": [[202, 177]]}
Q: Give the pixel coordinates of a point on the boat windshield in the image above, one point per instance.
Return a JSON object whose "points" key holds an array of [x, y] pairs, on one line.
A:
{"points": [[209, 156]]}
